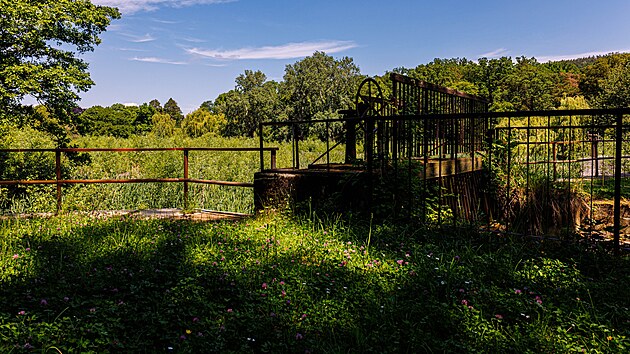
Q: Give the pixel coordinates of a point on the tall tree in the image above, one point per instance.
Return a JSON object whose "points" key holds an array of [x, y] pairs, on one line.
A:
{"points": [[155, 104], [172, 109], [39, 46], [253, 100], [319, 84]]}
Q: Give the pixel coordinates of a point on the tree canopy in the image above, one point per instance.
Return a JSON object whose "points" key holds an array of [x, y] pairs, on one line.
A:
{"points": [[39, 43]]}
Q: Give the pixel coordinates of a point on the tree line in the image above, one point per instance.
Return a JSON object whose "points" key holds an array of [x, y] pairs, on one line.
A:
{"points": [[39, 43]]}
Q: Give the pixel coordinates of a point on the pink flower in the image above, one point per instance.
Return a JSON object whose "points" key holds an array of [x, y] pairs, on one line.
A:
{"points": [[195, 319], [539, 300], [264, 285], [43, 302], [229, 310], [22, 313], [465, 302], [16, 256], [281, 282], [400, 262], [500, 317], [517, 291], [299, 336]]}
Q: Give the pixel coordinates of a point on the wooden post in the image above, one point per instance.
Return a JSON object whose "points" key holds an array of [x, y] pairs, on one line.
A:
{"points": [[185, 179], [58, 177]]}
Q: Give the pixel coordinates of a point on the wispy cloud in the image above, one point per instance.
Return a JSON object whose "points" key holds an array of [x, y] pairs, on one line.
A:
{"points": [[495, 53], [285, 51], [166, 22], [158, 60], [131, 6], [139, 39], [546, 58]]}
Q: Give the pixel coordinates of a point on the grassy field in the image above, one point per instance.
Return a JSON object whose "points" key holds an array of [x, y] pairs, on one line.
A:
{"points": [[274, 283], [225, 166]]}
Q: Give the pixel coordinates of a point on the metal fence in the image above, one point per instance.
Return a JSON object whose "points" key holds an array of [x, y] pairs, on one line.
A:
{"points": [[60, 181], [559, 173]]}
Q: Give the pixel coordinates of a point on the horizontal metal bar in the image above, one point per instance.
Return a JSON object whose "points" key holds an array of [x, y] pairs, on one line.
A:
{"points": [[138, 149], [118, 181], [478, 115]]}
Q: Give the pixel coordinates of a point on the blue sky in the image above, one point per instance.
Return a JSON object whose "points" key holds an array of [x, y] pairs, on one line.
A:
{"points": [[192, 50]]}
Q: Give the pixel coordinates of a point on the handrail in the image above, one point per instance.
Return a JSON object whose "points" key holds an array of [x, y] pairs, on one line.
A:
{"points": [[185, 180]]}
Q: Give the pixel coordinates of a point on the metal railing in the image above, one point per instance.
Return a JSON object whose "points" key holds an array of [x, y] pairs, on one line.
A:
{"points": [[541, 173], [59, 181]]}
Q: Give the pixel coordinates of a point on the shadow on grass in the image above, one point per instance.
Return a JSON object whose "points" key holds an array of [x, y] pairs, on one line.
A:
{"points": [[293, 286]]}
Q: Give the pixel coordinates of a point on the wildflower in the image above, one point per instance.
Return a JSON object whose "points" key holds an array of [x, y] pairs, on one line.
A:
{"points": [[299, 336], [539, 300], [188, 331], [457, 258], [303, 316], [499, 317], [66, 299], [517, 291], [281, 282], [93, 310], [609, 338], [43, 302], [195, 319], [22, 313], [283, 293], [229, 310], [28, 249], [264, 285], [400, 262], [16, 256], [182, 337], [465, 302]]}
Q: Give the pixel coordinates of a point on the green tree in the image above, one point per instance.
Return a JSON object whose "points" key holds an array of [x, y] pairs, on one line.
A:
{"points": [[253, 100], [156, 105], [163, 125], [529, 86], [116, 120], [319, 84], [202, 121], [172, 109], [39, 46]]}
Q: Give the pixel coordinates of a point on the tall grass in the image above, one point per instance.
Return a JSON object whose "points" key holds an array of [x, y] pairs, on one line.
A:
{"points": [[214, 165]]}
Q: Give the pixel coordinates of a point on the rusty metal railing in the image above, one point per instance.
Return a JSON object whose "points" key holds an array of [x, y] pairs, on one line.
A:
{"points": [[59, 181]]}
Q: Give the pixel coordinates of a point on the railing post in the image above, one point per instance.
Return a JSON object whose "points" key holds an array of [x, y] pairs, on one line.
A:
{"points": [[185, 179], [273, 159], [617, 201], [262, 155], [58, 177]]}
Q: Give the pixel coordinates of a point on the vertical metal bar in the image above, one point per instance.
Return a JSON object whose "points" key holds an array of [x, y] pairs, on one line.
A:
{"points": [[185, 179], [327, 146], [617, 201], [273, 159], [58, 177], [527, 171], [262, 157]]}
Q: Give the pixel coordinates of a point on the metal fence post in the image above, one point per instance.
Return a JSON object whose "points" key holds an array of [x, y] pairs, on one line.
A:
{"points": [[58, 177], [185, 179], [617, 201]]}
